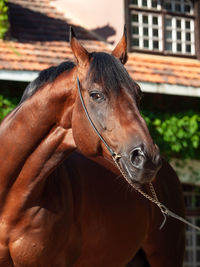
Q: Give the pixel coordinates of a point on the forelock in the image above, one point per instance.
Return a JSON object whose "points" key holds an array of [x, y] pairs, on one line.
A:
{"points": [[110, 73]]}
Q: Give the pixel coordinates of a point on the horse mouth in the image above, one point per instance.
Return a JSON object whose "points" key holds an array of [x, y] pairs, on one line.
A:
{"points": [[136, 175]]}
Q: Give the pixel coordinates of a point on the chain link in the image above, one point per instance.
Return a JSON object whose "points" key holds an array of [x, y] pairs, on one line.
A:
{"points": [[164, 210]]}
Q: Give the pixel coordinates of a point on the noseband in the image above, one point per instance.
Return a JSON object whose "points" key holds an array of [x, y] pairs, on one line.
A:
{"points": [[116, 157]]}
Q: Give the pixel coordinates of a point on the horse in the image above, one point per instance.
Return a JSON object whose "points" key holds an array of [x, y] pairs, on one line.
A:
{"points": [[63, 201]]}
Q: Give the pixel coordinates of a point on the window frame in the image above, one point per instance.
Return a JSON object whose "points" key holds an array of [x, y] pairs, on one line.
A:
{"points": [[196, 16]]}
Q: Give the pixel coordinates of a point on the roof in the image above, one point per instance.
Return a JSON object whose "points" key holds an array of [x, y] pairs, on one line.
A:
{"points": [[160, 69], [38, 39]]}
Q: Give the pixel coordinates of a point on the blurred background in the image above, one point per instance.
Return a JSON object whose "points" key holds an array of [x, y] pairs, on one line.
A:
{"points": [[164, 58]]}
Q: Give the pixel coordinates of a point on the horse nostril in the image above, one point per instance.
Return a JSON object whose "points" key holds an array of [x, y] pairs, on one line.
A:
{"points": [[137, 158], [158, 160]]}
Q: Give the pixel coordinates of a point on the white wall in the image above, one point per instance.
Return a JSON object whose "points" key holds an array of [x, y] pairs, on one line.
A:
{"points": [[93, 14], [187, 170]]}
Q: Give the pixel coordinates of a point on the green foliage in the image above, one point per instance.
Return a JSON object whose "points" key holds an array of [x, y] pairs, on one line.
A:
{"points": [[177, 135], [4, 24], [6, 105]]}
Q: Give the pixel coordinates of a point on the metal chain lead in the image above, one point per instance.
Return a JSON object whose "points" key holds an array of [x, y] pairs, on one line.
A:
{"points": [[164, 210]]}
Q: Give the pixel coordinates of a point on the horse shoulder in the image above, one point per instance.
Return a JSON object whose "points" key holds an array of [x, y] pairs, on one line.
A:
{"points": [[49, 217]]}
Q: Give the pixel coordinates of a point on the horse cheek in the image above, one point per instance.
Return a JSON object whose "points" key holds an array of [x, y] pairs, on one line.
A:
{"points": [[84, 136]]}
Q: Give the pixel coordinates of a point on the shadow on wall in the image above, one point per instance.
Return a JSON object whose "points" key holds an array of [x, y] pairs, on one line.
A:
{"points": [[27, 25], [105, 32]]}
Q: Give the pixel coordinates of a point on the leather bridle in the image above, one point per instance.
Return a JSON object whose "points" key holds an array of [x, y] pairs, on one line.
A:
{"points": [[113, 153]]}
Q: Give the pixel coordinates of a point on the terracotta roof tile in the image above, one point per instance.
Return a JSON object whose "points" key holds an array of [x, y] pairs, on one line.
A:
{"points": [[50, 53], [39, 39], [157, 69]]}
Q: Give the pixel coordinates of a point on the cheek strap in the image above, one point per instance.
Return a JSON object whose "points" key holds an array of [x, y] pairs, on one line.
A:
{"points": [[113, 154]]}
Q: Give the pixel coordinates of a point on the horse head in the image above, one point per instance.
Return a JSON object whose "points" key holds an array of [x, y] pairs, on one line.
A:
{"points": [[112, 100]]}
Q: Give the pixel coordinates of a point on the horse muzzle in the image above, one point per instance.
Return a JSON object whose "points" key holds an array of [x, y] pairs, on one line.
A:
{"points": [[139, 165]]}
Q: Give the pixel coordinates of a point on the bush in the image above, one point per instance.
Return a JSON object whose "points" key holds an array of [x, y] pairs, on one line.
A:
{"points": [[4, 24], [6, 105], [177, 134]]}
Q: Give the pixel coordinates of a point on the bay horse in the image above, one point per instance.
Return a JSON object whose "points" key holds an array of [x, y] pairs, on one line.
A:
{"points": [[63, 201]]}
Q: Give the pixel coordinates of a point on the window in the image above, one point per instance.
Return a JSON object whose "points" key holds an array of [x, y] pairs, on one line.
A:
{"points": [[163, 26], [192, 203]]}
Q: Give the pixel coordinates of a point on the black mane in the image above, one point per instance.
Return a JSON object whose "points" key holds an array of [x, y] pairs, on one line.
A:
{"points": [[47, 75], [105, 69]]}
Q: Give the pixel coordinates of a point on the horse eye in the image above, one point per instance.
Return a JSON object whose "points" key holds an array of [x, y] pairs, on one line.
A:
{"points": [[97, 96]]}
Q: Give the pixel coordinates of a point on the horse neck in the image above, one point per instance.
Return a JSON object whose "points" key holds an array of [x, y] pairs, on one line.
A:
{"points": [[37, 136]]}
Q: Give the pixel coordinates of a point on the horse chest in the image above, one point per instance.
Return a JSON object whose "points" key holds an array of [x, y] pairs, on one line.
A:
{"points": [[114, 226]]}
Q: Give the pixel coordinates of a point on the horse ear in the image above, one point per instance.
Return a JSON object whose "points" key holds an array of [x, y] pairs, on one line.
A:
{"points": [[120, 50], [80, 53]]}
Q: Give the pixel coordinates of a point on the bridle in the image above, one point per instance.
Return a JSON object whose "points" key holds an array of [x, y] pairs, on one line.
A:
{"points": [[116, 157], [113, 154]]}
